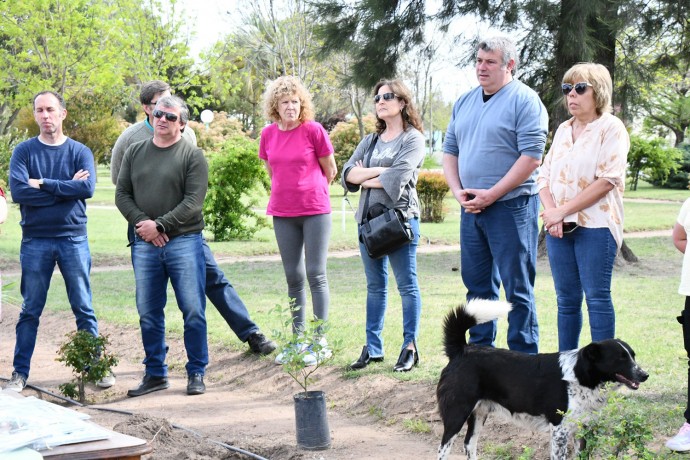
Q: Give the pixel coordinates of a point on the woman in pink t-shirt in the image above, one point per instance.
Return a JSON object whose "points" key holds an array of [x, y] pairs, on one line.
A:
{"points": [[299, 159]]}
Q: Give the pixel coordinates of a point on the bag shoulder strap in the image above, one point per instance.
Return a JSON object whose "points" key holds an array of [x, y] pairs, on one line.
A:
{"points": [[370, 152]]}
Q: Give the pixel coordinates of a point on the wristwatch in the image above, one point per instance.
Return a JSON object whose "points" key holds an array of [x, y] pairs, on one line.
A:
{"points": [[160, 228]]}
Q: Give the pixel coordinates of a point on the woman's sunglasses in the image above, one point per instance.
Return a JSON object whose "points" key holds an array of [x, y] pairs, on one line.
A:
{"points": [[168, 116], [580, 88], [386, 97]]}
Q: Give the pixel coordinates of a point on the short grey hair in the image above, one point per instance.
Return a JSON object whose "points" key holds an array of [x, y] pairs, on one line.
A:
{"points": [[174, 101], [503, 44]]}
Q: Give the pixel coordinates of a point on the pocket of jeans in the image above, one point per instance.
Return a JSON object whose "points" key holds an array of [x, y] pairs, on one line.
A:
{"points": [[78, 239], [519, 202]]}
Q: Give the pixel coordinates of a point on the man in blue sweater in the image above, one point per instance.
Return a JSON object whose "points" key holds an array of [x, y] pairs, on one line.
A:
{"points": [[51, 177], [493, 147]]}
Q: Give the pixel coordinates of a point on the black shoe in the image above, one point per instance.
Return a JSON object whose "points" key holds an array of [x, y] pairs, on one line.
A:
{"points": [[195, 385], [258, 343], [407, 359], [149, 384], [364, 359]]}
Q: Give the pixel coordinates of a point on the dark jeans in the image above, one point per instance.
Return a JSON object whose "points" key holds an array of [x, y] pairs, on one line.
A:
{"points": [[222, 295]]}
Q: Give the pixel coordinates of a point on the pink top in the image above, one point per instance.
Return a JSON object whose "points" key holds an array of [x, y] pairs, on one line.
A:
{"points": [[298, 184], [601, 151]]}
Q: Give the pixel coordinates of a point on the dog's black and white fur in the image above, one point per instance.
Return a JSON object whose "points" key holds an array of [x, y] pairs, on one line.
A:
{"points": [[544, 391]]}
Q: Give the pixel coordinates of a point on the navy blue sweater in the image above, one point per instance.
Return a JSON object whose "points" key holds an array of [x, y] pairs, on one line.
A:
{"points": [[58, 208]]}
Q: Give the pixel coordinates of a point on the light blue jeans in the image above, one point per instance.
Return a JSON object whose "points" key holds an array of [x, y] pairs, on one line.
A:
{"points": [[582, 265], [404, 264], [37, 257], [181, 261], [498, 245]]}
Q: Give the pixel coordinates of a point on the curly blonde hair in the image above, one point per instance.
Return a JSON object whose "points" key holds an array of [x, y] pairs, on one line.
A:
{"points": [[599, 77], [409, 113], [287, 85]]}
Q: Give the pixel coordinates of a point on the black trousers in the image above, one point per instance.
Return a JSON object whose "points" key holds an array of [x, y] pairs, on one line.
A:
{"points": [[684, 320]]}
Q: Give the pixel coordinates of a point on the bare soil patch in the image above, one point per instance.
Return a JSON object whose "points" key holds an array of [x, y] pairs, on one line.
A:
{"points": [[248, 404]]}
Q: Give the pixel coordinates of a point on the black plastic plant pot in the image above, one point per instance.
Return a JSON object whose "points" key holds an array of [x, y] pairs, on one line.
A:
{"points": [[311, 421]]}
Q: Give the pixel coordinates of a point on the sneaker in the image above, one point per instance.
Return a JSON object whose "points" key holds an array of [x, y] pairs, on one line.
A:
{"points": [[195, 385], [16, 383], [317, 352], [258, 343], [282, 356], [149, 384], [681, 441], [107, 381]]}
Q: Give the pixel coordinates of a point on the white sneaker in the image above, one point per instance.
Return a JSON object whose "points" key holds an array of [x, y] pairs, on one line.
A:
{"points": [[681, 441], [282, 356], [107, 381], [16, 383], [312, 357]]}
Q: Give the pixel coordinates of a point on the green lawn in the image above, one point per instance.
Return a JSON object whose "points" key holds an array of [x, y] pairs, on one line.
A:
{"points": [[644, 294]]}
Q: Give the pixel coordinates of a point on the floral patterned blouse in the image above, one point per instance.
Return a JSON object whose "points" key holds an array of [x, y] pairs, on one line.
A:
{"points": [[601, 151]]}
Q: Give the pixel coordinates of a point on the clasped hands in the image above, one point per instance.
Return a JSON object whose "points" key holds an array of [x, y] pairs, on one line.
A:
{"points": [[146, 229]]}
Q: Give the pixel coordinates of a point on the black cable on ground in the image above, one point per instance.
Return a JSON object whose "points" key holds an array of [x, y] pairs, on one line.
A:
{"points": [[124, 412]]}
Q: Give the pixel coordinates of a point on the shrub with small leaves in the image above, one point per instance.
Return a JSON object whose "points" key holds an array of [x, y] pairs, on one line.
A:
{"points": [[89, 359], [234, 173], [432, 189]]}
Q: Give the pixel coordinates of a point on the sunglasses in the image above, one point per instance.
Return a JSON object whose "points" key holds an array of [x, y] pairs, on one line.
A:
{"points": [[386, 97], [168, 116], [580, 88]]}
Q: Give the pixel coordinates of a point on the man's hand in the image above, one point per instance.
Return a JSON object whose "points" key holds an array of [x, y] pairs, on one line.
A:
{"points": [[34, 183], [146, 229], [82, 174], [475, 200]]}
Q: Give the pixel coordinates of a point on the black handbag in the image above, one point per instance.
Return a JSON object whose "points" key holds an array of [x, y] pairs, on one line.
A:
{"points": [[382, 230]]}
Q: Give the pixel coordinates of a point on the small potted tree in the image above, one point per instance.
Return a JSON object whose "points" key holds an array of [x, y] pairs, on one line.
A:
{"points": [[311, 418]]}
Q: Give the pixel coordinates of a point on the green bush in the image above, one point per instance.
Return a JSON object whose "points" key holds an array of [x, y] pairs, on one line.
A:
{"points": [[345, 138], [89, 359], [679, 177], [432, 188], [651, 159], [234, 173], [8, 142]]}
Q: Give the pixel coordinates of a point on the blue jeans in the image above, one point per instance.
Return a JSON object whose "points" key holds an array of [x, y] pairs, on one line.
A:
{"points": [[225, 298], [222, 295], [582, 264], [404, 264], [500, 244], [37, 257], [182, 261]]}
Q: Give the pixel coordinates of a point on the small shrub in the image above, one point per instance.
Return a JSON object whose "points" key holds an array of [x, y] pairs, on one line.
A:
{"points": [[432, 189], [89, 359], [618, 430], [234, 173], [345, 139], [8, 142]]}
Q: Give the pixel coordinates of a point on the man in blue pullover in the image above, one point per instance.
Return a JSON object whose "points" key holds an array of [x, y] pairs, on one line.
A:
{"points": [[51, 177], [493, 147]]}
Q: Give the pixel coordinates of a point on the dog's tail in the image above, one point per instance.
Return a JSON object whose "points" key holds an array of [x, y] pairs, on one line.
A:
{"points": [[460, 320]]}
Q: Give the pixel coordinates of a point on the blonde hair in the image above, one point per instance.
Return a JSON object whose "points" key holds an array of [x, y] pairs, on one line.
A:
{"points": [[599, 77], [287, 86]]}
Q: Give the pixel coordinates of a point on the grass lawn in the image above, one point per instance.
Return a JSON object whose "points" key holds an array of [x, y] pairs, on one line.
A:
{"points": [[645, 295]]}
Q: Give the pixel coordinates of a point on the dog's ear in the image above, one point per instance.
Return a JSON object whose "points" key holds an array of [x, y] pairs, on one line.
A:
{"points": [[592, 351]]}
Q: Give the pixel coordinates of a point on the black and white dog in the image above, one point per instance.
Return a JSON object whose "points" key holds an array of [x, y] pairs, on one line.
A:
{"points": [[544, 391]]}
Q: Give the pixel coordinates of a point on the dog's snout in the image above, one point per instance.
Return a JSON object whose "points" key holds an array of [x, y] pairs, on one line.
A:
{"points": [[642, 375]]}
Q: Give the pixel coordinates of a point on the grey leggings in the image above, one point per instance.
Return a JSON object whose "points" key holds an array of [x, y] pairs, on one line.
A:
{"points": [[299, 239]]}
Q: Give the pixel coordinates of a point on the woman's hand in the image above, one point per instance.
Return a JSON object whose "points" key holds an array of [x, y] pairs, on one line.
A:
{"points": [[553, 221]]}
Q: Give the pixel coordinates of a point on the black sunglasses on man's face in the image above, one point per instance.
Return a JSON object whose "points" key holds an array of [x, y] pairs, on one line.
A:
{"points": [[168, 116]]}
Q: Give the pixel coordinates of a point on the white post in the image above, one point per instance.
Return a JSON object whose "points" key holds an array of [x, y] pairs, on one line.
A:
{"points": [[342, 219]]}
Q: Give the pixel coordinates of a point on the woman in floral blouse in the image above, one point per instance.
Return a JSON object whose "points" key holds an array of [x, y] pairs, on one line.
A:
{"points": [[581, 187]]}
